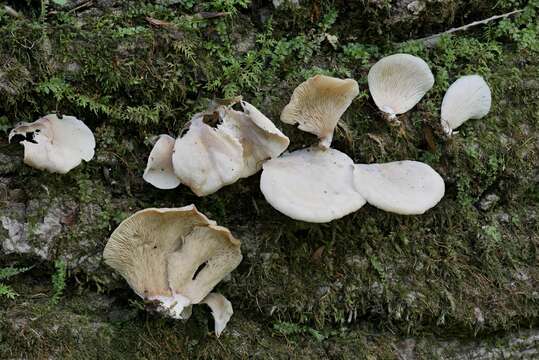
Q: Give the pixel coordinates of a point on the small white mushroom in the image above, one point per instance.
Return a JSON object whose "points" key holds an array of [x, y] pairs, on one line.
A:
{"points": [[221, 310], [175, 257], [397, 83], [317, 105], [312, 185], [53, 144], [206, 158], [467, 98], [159, 171], [402, 187], [259, 137]]}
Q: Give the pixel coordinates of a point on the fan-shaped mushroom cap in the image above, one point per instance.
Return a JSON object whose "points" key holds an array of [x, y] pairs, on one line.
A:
{"points": [[206, 159], [467, 98], [317, 105], [140, 246], [260, 139], [312, 185], [397, 82], [207, 255], [53, 144], [173, 256], [159, 171], [221, 310], [403, 187]]}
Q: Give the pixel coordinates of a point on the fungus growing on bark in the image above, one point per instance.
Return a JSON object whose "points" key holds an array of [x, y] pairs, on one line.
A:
{"points": [[312, 185], [207, 158], [402, 187], [467, 98], [174, 257], [221, 310], [317, 105], [397, 83], [53, 144], [159, 171], [259, 137], [224, 145]]}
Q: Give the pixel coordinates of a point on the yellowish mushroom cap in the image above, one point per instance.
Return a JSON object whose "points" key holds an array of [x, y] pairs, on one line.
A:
{"points": [[175, 257], [208, 253], [140, 246], [317, 105]]}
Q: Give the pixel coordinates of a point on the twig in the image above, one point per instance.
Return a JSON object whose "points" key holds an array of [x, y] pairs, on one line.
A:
{"points": [[83, 5], [211, 15], [75, 9], [158, 23], [432, 39]]}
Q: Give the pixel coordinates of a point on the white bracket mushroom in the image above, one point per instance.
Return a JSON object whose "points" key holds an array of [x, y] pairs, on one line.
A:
{"points": [[402, 187], [397, 83], [221, 310], [53, 144], [175, 257], [208, 158], [312, 185], [159, 171], [259, 137], [317, 105], [467, 98]]}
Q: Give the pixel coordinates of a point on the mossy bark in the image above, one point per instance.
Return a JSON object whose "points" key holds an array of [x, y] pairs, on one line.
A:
{"points": [[369, 285]]}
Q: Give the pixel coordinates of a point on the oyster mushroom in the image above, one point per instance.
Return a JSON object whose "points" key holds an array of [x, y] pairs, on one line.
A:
{"points": [[207, 158], [397, 83], [159, 171], [174, 257], [467, 98], [221, 310], [402, 187], [312, 185], [259, 137], [53, 144], [317, 105]]}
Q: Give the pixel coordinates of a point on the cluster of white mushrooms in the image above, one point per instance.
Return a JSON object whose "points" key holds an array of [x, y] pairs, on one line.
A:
{"points": [[207, 158], [175, 257]]}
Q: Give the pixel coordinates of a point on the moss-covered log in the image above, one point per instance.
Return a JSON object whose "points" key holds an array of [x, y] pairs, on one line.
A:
{"points": [[370, 285]]}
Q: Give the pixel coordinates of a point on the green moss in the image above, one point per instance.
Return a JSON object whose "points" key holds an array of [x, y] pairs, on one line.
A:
{"points": [[338, 289]]}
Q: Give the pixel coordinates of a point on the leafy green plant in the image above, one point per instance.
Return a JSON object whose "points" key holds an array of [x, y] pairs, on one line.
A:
{"points": [[288, 328], [6, 273], [58, 281], [522, 28], [4, 124], [360, 52]]}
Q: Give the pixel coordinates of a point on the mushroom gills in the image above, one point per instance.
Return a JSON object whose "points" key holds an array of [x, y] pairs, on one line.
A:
{"points": [[317, 105], [397, 83], [467, 98]]}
